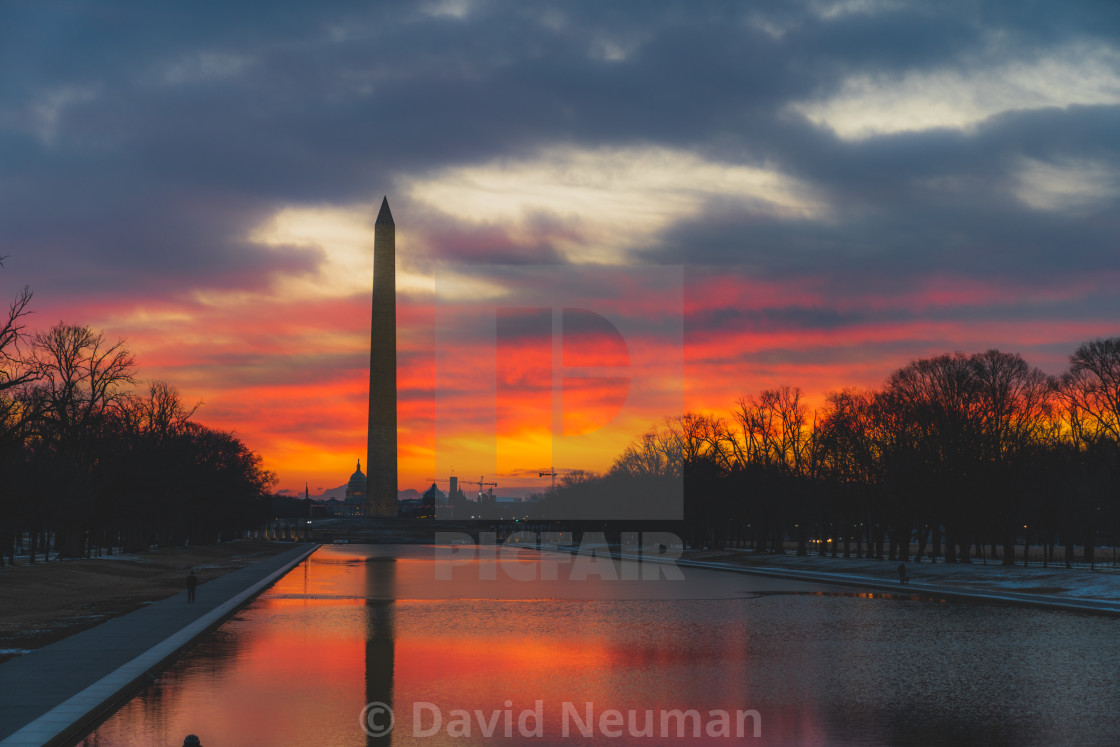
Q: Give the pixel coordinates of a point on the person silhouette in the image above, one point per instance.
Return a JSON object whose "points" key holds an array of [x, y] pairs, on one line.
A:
{"points": [[902, 577], [192, 584], [192, 741]]}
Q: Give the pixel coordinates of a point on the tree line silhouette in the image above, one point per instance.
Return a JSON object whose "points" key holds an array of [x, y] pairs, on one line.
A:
{"points": [[88, 462], [955, 456]]}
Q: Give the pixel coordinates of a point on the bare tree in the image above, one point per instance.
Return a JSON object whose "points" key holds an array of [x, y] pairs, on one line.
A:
{"points": [[161, 414], [850, 455], [658, 453], [937, 402], [80, 378], [1090, 393], [1091, 388], [81, 384], [774, 429], [14, 373], [1014, 402], [701, 438], [13, 370]]}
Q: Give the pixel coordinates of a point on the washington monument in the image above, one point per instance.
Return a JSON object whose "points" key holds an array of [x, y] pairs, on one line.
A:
{"points": [[381, 446]]}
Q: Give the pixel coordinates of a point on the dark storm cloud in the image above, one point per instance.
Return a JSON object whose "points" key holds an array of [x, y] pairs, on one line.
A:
{"points": [[914, 203], [484, 244], [143, 142], [794, 317]]}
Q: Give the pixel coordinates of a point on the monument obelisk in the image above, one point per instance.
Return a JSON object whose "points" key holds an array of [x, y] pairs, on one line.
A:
{"points": [[381, 446]]}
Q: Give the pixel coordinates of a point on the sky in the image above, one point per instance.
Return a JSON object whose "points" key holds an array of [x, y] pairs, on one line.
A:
{"points": [[697, 201]]}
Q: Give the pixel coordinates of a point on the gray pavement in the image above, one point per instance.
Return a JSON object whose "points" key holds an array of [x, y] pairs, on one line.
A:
{"points": [[49, 695]]}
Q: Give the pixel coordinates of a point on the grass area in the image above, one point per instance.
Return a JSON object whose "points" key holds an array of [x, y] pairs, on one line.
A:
{"points": [[45, 602]]}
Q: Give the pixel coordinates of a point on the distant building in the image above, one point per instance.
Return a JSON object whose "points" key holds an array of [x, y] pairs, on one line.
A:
{"points": [[355, 503], [433, 504]]}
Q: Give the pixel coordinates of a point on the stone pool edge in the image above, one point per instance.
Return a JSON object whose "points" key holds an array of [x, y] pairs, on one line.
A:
{"points": [[1092, 606], [67, 720], [1043, 601]]}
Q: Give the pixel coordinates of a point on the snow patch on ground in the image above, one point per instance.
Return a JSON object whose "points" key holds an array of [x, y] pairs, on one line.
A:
{"points": [[1075, 583]]}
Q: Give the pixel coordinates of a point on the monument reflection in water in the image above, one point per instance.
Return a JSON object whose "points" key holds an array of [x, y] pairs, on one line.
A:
{"points": [[821, 665], [381, 596]]}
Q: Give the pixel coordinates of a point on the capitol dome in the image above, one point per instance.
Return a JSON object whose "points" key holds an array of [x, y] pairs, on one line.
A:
{"points": [[357, 484], [355, 503]]}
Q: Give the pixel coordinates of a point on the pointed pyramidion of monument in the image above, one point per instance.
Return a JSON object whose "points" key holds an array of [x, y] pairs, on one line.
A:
{"points": [[384, 215], [381, 446]]}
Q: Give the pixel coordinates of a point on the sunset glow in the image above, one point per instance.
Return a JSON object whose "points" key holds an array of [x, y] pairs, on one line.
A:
{"points": [[838, 189]]}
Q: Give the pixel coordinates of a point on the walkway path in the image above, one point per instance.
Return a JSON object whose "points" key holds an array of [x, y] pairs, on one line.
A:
{"points": [[48, 695]]}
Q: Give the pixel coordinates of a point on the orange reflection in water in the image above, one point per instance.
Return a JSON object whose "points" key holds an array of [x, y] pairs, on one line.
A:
{"points": [[248, 684], [297, 666]]}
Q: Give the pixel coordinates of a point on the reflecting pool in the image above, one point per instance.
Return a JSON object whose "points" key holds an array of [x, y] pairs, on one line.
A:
{"points": [[641, 662]]}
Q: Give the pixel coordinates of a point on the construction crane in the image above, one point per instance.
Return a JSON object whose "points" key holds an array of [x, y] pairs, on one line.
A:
{"points": [[551, 473], [479, 482]]}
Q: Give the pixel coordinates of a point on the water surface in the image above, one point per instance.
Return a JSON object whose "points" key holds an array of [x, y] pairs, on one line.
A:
{"points": [[817, 664]]}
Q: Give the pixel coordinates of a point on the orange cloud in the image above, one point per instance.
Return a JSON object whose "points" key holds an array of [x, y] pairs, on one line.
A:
{"points": [[290, 376]]}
